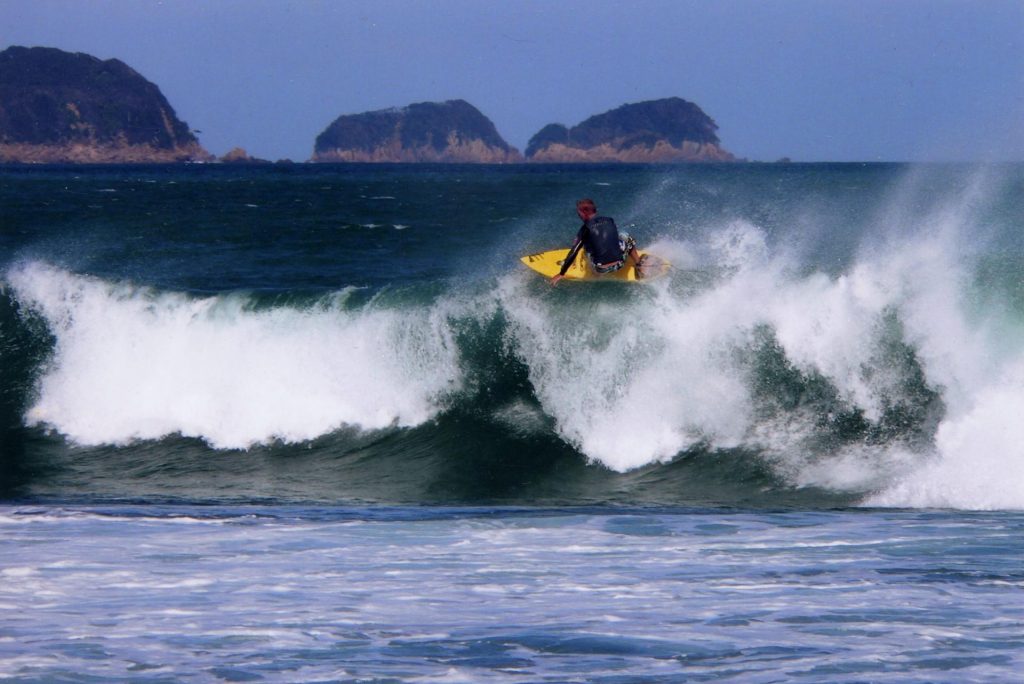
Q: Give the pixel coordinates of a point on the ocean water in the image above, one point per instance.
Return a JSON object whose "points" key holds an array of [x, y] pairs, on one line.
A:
{"points": [[317, 423]]}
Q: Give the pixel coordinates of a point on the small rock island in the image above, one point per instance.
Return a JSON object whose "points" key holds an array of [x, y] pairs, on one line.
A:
{"points": [[64, 107], [655, 131], [448, 132]]}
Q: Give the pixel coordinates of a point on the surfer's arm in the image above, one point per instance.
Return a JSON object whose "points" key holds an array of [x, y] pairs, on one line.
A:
{"points": [[570, 257], [567, 262]]}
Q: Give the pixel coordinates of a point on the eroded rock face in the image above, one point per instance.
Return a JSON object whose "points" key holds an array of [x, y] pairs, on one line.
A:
{"points": [[452, 131], [63, 107], [656, 131]]}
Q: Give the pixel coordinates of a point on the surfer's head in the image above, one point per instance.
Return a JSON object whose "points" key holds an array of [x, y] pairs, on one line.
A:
{"points": [[586, 208]]}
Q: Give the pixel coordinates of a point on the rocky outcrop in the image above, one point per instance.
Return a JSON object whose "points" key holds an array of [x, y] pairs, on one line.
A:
{"points": [[63, 107], [656, 131], [452, 131], [238, 155]]}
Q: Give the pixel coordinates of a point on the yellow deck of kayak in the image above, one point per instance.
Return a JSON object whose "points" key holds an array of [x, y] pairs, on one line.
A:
{"points": [[549, 264]]}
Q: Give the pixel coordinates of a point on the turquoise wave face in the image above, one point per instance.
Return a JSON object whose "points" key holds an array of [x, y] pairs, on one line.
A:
{"points": [[829, 335]]}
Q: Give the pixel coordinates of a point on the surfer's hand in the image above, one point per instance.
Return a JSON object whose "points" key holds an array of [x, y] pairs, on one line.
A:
{"points": [[556, 278], [638, 268]]}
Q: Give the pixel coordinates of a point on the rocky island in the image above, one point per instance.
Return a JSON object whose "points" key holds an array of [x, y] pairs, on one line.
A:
{"points": [[656, 131], [451, 131], [63, 107]]}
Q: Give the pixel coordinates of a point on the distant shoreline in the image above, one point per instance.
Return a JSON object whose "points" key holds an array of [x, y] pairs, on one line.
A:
{"points": [[518, 166]]}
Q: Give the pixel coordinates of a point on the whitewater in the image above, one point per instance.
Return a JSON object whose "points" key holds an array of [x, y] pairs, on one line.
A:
{"points": [[816, 412]]}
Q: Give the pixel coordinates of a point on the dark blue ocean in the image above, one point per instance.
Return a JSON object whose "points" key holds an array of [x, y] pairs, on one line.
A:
{"points": [[301, 423]]}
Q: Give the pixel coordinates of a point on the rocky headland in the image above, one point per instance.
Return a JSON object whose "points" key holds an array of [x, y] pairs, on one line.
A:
{"points": [[447, 132], [655, 131], [64, 107]]}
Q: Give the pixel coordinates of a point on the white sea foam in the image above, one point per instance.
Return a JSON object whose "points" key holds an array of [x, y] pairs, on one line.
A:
{"points": [[133, 364], [979, 455], [629, 387]]}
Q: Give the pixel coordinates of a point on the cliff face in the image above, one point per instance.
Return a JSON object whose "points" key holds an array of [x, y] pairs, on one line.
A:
{"points": [[58, 107], [452, 131], [668, 130]]}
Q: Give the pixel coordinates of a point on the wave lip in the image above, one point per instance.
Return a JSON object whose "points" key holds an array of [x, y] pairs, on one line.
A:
{"points": [[133, 364]]}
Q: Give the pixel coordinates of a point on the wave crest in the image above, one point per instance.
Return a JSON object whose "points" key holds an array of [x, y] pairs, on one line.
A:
{"points": [[132, 363]]}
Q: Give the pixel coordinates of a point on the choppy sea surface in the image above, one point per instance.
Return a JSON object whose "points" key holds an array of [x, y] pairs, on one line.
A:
{"points": [[317, 423]]}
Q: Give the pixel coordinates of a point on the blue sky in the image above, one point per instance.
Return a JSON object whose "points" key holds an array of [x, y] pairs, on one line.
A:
{"points": [[916, 80]]}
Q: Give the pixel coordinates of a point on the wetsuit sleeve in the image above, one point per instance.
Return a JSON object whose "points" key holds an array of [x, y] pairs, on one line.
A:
{"points": [[571, 257]]}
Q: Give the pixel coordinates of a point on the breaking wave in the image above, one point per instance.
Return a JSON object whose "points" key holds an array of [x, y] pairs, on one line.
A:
{"points": [[896, 380]]}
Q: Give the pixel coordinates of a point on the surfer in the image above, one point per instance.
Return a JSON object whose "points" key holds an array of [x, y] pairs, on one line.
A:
{"points": [[607, 247]]}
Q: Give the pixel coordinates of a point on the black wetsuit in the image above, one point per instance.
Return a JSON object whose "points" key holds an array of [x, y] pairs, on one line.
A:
{"points": [[600, 237]]}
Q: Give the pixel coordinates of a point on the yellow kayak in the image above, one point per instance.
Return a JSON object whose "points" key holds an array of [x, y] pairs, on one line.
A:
{"points": [[548, 264]]}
